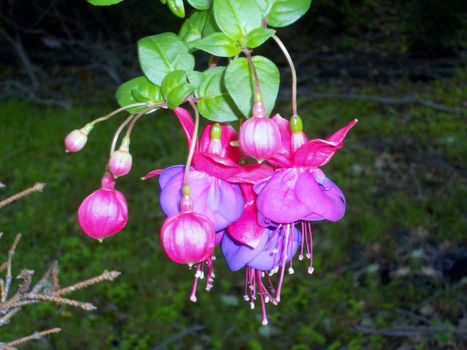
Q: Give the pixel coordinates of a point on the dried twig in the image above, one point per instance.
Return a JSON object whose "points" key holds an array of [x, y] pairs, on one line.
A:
{"points": [[34, 336], [105, 276], [38, 187], [47, 289]]}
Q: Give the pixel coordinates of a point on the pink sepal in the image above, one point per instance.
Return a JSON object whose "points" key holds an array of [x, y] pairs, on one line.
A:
{"points": [[187, 123], [317, 152], [246, 229], [152, 173]]}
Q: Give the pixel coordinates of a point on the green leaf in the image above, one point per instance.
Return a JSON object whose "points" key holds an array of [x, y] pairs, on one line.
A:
{"points": [[200, 4], [163, 53], [136, 90], [258, 36], [104, 2], [211, 25], [195, 78], [215, 103], [177, 7], [218, 44], [175, 88], [237, 18], [240, 84], [281, 13], [192, 28]]}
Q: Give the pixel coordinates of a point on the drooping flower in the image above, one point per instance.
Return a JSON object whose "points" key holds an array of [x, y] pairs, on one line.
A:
{"points": [[189, 238], [299, 191], [104, 212], [76, 139], [214, 177], [121, 160], [259, 135]]}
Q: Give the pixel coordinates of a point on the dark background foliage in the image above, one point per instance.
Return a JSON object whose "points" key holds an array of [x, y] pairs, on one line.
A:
{"points": [[390, 275]]}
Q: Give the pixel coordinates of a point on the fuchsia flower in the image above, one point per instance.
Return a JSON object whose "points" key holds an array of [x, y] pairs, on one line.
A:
{"points": [[104, 212], [299, 190], [259, 135]]}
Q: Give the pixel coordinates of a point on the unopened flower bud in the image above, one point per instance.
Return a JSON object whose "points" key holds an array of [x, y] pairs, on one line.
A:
{"points": [[76, 140], [104, 212], [259, 136], [188, 238], [120, 161]]}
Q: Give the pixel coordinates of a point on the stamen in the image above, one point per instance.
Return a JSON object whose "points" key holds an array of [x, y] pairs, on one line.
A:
{"points": [[281, 278]]}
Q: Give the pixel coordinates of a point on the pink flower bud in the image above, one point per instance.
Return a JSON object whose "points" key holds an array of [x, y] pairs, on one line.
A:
{"points": [[104, 212], [298, 137], [297, 140], [120, 161], [259, 137], [76, 140], [188, 238]]}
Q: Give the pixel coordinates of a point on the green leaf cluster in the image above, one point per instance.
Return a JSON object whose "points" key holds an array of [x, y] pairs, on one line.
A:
{"points": [[222, 28]]}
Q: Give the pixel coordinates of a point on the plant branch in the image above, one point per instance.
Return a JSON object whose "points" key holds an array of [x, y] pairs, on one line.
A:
{"points": [[38, 187]]}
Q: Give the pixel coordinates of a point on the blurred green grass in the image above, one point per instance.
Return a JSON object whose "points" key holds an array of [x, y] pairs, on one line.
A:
{"points": [[403, 173]]}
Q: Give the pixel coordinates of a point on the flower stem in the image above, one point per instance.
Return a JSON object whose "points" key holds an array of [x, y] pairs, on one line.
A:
{"points": [[117, 133], [292, 70], [121, 109], [258, 94], [193, 143], [133, 119]]}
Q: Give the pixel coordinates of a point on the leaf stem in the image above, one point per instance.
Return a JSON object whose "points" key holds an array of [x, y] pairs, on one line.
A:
{"points": [[292, 70]]}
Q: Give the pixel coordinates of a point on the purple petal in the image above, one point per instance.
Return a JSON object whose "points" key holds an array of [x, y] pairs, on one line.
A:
{"points": [[277, 199], [271, 257], [238, 255]]}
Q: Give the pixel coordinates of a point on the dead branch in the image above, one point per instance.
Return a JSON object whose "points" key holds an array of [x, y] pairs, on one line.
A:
{"points": [[38, 187], [47, 289], [34, 336]]}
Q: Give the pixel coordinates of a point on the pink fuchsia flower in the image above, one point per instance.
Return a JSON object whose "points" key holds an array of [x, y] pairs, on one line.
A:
{"points": [[216, 139], [299, 191], [76, 140], [259, 136], [121, 160], [213, 177], [104, 212]]}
